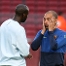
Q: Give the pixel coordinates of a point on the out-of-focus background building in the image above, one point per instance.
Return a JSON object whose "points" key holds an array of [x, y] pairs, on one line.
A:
{"points": [[35, 17]]}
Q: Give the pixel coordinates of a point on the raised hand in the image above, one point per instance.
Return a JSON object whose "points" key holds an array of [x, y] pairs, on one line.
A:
{"points": [[52, 24], [43, 29], [29, 56]]}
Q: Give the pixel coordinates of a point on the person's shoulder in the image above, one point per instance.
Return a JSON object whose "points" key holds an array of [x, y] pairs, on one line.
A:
{"points": [[61, 31], [39, 31], [22, 28], [5, 22], [15, 24]]}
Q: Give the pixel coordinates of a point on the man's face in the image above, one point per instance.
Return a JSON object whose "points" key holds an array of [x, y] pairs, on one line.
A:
{"points": [[47, 19], [24, 17]]}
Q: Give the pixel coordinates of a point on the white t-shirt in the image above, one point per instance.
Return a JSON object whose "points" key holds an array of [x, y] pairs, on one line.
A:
{"points": [[13, 43]]}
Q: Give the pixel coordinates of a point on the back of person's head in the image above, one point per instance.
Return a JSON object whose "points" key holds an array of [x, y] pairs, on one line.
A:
{"points": [[21, 13], [60, 12], [20, 9]]}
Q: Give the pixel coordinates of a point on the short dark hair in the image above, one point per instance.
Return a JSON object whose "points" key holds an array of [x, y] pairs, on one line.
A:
{"points": [[60, 12], [20, 9], [53, 13]]}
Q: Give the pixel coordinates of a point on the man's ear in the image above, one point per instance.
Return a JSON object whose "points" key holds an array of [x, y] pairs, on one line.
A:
{"points": [[21, 15]]}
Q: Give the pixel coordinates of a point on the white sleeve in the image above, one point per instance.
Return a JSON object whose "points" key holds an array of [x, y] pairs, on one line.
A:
{"points": [[22, 43]]}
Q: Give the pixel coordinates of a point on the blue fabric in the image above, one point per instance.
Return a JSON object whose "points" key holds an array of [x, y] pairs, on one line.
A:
{"points": [[53, 47], [49, 43]]}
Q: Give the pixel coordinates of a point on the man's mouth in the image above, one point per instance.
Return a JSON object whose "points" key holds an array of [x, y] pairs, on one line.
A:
{"points": [[46, 27]]}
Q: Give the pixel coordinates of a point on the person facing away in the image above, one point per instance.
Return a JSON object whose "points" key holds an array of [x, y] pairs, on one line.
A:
{"points": [[14, 47], [51, 40]]}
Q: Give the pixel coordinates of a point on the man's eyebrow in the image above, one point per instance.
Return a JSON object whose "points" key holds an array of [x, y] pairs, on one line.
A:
{"points": [[47, 18]]}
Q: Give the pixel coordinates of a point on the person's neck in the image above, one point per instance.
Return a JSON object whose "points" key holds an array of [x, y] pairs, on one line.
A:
{"points": [[17, 19]]}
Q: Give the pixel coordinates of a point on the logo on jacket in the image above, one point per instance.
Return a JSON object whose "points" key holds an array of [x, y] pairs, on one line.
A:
{"points": [[55, 36], [44, 37], [64, 36]]}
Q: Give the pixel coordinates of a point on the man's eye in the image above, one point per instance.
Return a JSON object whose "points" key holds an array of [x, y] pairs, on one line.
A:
{"points": [[48, 19]]}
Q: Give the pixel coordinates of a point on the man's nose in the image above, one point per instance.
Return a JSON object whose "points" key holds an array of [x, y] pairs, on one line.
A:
{"points": [[46, 21]]}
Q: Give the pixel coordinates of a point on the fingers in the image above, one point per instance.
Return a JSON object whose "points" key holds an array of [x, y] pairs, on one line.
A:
{"points": [[52, 24], [43, 29], [29, 56], [43, 22], [52, 19]]}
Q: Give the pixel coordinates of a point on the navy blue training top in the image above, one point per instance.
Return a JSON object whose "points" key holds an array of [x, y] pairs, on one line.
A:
{"points": [[53, 46]]}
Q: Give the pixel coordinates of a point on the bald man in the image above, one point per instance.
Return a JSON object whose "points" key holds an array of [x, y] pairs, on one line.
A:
{"points": [[51, 40], [14, 47]]}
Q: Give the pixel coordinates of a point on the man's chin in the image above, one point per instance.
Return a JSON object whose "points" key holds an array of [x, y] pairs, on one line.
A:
{"points": [[46, 28], [23, 21]]}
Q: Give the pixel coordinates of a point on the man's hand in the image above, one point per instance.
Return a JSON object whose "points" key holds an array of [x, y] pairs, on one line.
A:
{"points": [[44, 29], [29, 56], [52, 24]]}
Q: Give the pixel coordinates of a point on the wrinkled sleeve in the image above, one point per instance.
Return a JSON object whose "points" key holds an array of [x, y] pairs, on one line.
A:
{"points": [[53, 43], [59, 43], [22, 43]]}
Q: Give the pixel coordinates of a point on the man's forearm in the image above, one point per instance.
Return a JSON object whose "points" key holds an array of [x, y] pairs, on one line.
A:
{"points": [[52, 41], [36, 43]]}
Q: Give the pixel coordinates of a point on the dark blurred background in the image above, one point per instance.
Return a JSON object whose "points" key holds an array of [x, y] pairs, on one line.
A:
{"points": [[34, 20]]}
